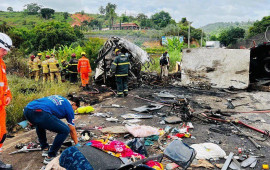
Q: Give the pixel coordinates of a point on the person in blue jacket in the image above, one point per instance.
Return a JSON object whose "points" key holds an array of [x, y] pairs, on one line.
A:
{"points": [[45, 114]]}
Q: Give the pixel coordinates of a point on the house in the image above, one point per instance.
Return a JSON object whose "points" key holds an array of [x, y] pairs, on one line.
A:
{"points": [[126, 26]]}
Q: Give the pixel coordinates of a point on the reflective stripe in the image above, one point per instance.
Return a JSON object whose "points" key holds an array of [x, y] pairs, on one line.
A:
{"points": [[73, 64], [123, 63], [114, 64], [119, 92], [2, 84], [73, 72], [118, 75], [125, 90]]}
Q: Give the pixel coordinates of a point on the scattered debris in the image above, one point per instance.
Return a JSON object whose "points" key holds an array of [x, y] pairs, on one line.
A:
{"points": [[114, 130], [173, 120], [142, 131], [148, 108], [208, 151], [248, 161], [202, 163], [136, 116]]}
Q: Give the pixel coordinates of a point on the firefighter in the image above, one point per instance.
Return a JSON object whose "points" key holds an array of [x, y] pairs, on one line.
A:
{"points": [[45, 69], [72, 69], [54, 69], [120, 67], [30, 66], [37, 66], [5, 94], [84, 69]]}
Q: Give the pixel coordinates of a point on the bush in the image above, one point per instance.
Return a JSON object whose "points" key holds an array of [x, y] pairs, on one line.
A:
{"points": [[25, 90]]}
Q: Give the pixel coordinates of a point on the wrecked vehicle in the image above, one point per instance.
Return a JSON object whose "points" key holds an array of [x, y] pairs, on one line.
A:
{"points": [[260, 61], [138, 58]]}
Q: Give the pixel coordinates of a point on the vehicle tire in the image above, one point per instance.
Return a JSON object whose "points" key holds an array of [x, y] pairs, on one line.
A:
{"points": [[266, 65]]}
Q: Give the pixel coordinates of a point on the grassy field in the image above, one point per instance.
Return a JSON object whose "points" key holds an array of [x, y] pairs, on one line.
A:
{"points": [[25, 90]]}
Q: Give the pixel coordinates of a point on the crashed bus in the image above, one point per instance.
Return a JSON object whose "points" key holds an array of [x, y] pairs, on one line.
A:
{"points": [[138, 58]]}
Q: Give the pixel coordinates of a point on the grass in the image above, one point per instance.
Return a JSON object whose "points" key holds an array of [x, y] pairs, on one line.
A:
{"points": [[21, 19], [21, 99]]}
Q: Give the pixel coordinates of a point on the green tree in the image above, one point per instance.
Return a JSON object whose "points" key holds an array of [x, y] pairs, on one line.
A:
{"points": [[102, 10], [65, 15], [125, 18], [213, 38], [110, 13], [171, 29], [259, 26], [32, 9], [230, 36], [161, 19], [46, 13], [10, 9], [53, 34]]}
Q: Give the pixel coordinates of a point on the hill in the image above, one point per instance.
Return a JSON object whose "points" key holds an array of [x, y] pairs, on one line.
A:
{"points": [[216, 28], [22, 19]]}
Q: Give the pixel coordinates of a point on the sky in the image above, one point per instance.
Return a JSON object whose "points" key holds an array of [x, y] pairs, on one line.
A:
{"points": [[200, 12]]}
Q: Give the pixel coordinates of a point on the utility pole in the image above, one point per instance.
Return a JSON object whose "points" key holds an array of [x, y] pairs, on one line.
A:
{"points": [[188, 34], [201, 38]]}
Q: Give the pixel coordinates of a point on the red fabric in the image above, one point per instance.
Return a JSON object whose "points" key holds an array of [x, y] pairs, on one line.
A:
{"points": [[117, 147]]}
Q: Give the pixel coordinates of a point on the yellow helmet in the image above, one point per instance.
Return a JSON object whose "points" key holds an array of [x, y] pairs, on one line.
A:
{"points": [[39, 54], [116, 50], [83, 53]]}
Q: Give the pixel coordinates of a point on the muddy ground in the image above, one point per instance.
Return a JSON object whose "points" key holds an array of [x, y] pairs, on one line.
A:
{"points": [[200, 101]]}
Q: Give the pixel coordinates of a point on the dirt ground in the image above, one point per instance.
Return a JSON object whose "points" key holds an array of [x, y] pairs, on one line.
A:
{"points": [[200, 101]]}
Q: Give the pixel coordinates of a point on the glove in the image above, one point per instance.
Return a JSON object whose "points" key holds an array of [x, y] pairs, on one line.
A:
{"points": [[78, 144]]}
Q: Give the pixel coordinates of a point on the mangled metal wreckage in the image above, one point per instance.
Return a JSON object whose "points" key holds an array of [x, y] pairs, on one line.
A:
{"points": [[138, 59]]}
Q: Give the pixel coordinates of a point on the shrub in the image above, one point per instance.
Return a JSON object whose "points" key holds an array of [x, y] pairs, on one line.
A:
{"points": [[25, 90]]}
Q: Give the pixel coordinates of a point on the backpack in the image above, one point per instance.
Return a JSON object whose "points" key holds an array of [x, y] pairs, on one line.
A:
{"points": [[163, 60]]}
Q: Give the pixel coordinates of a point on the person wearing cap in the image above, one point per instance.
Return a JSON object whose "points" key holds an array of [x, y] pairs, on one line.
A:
{"points": [[45, 114], [30, 66], [84, 69], [37, 66], [5, 94], [45, 69], [73, 69], [120, 67], [54, 69]]}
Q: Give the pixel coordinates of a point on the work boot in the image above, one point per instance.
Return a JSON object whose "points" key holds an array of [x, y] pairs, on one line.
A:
{"points": [[125, 94], [48, 160], [5, 166]]}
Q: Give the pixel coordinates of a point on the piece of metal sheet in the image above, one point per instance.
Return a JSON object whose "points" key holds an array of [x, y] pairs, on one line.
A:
{"points": [[228, 161], [218, 68]]}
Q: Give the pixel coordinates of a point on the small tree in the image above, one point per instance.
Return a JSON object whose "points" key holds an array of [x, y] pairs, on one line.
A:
{"points": [[32, 9], [66, 15], [10, 9], [102, 10], [46, 13]]}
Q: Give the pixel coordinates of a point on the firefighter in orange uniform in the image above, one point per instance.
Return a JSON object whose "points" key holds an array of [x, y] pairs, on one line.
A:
{"points": [[84, 69], [5, 94]]}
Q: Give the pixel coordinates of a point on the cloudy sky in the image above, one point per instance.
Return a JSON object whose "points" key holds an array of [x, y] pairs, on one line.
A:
{"points": [[201, 12]]}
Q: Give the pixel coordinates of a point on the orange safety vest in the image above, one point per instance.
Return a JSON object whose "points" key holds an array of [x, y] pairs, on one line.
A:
{"points": [[84, 65], [4, 90]]}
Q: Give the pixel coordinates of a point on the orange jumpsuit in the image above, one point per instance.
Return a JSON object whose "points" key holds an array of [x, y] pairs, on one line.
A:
{"points": [[4, 93], [84, 69]]}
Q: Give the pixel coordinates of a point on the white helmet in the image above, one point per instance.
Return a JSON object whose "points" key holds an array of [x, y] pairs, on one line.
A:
{"points": [[5, 41]]}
